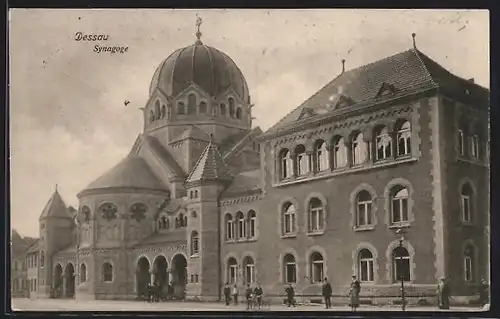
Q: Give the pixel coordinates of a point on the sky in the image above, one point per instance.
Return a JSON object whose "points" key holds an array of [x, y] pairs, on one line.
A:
{"points": [[68, 121]]}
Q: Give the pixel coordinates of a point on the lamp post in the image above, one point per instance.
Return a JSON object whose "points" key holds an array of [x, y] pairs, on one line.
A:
{"points": [[400, 233]]}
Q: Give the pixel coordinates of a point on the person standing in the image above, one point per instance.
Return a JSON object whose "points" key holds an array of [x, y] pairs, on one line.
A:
{"points": [[327, 293], [258, 295], [150, 292], [290, 296], [354, 293], [227, 294], [235, 294], [484, 293], [248, 296], [443, 294]]}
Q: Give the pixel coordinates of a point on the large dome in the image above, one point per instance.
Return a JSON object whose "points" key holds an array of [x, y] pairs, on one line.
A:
{"points": [[211, 69]]}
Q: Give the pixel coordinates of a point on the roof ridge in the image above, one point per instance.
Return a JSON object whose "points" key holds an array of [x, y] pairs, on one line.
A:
{"points": [[417, 53], [200, 169]]}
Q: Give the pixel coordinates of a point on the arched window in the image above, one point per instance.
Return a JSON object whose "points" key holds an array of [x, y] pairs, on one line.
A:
{"points": [[229, 227], [191, 109], [138, 211], [157, 110], [383, 143], [321, 155], [223, 109], [249, 270], [107, 272], [239, 113], [316, 266], [364, 209], [108, 211], [286, 164], [288, 220], [339, 152], [466, 195], [202, 108], [401, 264], [399, 204], [231, 107], [163, 111], [232, 270], [404, 139], [469, 264], [290, 269], [303, 161], [163, 222], [365, 265], [42, 259], [181, 108], [252, 224], [359, 149], [316, 215], [151, 116], [241, 225], [194, 243], [83, 273], [474, 142]]}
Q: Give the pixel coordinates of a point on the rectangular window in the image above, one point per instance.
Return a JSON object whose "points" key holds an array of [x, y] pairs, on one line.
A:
{"points": [[250, 276], [399, 210], [290, 273], [366, 270], [252, 227], [317, 275], [461, 149], [466, 216], [468, 269]]}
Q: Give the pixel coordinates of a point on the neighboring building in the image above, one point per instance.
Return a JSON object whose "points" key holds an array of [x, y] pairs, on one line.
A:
{"points": [[204, 199], [18, 270]]}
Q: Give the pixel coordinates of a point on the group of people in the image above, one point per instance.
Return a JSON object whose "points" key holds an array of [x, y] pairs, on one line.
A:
{"points": [[157, 292], [252, 296], [444, 293], [354, 291]]}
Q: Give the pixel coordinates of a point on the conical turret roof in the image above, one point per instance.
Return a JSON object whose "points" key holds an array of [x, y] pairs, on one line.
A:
{"points": [[210, 167], [55, 207]]}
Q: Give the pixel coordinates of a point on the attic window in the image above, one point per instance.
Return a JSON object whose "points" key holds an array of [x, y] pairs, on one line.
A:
{"points": [[386, 89], [306, 112]]}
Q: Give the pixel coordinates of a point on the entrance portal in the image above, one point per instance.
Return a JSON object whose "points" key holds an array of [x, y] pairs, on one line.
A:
{"points": [[160, 269], [142, 277], [179, 275], [57, 287], [69, 274]]}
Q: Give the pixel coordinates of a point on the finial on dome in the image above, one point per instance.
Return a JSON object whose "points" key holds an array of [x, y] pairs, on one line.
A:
{"points": [[199, 21], [343, 65], [413, 35]]}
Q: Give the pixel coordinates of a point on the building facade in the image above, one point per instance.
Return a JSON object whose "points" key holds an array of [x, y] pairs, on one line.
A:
{"points": [[397, 147]]}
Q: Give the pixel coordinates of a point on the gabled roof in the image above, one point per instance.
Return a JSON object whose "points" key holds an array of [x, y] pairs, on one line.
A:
{"points": [[407, 72], [131, 172], [210, 167], [55, 207], [244, 183]]}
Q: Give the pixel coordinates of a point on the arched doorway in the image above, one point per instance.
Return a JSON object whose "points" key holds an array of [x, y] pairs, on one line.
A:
{"points": [[69, 275], [160, 269], [179, 275], [57, 287], [143, 277]]}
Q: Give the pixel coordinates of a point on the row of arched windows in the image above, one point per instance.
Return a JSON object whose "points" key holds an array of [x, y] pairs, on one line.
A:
{"points": [[109, 211], [366, 266], [180, 221], [339, 153], [469, 139], [241, 226], [193, 107]]}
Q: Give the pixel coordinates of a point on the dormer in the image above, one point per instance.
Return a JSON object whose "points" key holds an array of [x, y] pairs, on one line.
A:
{"points": [[386, 89], [306, 112]]}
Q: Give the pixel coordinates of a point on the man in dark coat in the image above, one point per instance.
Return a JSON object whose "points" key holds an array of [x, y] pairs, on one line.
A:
{"points": [[258, 294], [290, 296], [249, 296], [444, 294], [227, 294], [484, 292], [327, 293]]}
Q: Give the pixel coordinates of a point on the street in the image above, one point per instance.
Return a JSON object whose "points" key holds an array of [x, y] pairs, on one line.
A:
{"points": [[22, 304]]}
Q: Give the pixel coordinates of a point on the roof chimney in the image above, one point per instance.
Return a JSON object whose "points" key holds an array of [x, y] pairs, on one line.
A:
{"points": [[343, 65], [471, 80], [413, 36]]}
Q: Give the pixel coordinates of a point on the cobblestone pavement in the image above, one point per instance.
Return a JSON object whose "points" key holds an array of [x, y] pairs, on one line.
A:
{"points": [[111, 305]]}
